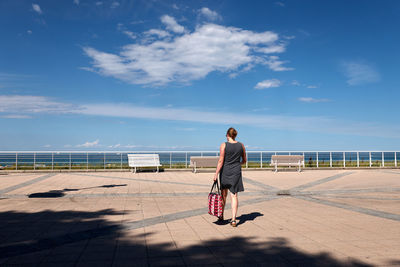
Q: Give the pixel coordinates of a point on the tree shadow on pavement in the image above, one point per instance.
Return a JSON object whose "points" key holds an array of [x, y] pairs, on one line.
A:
{"points": [[78, 238], [61, 193]]}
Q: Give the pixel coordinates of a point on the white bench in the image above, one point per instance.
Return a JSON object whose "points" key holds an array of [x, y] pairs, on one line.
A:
{"points": [[144, 160], [287, 160], [199, 162]]}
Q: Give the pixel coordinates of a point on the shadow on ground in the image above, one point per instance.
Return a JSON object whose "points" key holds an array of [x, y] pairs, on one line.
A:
{"points": [[61, 193], [74, 238]]}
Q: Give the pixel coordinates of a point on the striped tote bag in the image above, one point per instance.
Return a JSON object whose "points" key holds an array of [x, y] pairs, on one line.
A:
{"points": [[215, 201]]}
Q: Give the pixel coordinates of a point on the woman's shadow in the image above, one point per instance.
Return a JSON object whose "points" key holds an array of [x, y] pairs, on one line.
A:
{"points": [[243, 218]]}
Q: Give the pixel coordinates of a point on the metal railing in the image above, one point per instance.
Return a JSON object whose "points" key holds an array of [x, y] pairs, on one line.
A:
{"points": [[88, 160]]}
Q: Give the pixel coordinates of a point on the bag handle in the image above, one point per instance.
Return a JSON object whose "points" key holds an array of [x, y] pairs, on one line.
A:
{"points": [[212, 188]]}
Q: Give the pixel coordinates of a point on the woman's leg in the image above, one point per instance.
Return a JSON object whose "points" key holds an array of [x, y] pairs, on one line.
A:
{"points": [[235, 203], [224, 194]]}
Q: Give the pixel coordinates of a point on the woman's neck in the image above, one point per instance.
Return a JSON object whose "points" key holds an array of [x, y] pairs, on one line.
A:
{"points": [[230, 140]]}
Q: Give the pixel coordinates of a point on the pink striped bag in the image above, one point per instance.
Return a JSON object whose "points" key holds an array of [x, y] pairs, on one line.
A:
{"points": [[215, 201]]}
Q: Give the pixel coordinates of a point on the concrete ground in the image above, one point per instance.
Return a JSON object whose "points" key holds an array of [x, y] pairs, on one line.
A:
{"points": [[312, 218]]}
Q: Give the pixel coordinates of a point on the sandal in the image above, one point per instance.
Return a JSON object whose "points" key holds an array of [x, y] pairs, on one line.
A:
{"points": [[233, 223], [221, 218]]}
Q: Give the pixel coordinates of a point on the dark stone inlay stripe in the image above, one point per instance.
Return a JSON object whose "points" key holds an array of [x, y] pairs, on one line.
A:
{"points": [[376, 213], [49, 243], [347, 191], [18, 186], [115, 195], [258, 184], [363, 197], [142, 180], [321, 181]]}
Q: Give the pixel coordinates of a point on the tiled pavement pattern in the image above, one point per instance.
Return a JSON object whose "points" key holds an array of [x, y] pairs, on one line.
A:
{"points": [[313, 218]]}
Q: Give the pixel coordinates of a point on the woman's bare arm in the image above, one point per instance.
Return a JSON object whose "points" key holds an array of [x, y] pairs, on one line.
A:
{"points": [[244, 157], [220, 161]]}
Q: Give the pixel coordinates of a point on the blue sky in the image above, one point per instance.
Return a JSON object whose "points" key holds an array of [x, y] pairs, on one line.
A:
{"points": [[174, 75]]}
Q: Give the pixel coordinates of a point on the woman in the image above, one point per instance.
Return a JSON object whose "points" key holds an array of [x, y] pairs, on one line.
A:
{"points": [[232, 155]]}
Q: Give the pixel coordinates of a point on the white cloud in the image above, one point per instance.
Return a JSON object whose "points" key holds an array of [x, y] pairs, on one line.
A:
{"points": [[209, 14], [187, 57], [320, 124], [312, 86], [296, 83], [174, 6], [171, 24], [268, 84], [275, 64], [358, 73], [159, 33], [76, 2], [33, 104], [115, 146], [29, 32], [37, 8], [129, 34], [280, 4], [99, 3], [89, 144], [47, 146], [115, 4], [313, 100], [16, 116]]}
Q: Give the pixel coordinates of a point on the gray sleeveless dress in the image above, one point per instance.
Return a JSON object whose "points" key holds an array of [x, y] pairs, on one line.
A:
{"points": [[231, 172]]}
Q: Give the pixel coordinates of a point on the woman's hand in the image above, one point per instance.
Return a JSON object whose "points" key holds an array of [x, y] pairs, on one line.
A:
{"points": [[215, 177]]}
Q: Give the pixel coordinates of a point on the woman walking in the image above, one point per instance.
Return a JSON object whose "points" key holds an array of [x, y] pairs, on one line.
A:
{"points": [[232, 155]]}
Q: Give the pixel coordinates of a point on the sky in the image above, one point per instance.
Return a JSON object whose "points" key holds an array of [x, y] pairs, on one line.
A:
{"points": [[175, 75]]}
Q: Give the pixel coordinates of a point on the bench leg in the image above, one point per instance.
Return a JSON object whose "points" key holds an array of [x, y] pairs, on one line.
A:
{"points": [[276, 167], [135, 170], [157, 169]]}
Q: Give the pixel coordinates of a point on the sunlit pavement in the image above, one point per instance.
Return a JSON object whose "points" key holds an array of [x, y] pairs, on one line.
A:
{"points": [[312, 218]]}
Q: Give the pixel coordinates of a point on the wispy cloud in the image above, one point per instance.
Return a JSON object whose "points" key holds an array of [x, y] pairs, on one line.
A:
{"points": [[171, 24], [281, 4], [313, 100], [359, 73], [209, 14], [186, 56], [90, 144], [17, 104], [32, 105], [268, 84], [15, 116], [115, 4], [37, 8], [76, 2]]}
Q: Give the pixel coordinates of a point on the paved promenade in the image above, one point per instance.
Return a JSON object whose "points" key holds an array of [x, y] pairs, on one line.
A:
{"points": [[313, 218]]}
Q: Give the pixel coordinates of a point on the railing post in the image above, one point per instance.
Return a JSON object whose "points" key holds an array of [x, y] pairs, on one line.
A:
{"points": [[304, 161], [170, 160], [104, 165], [261, 160], [52, 161], [344, 159], [70, 161], [370, 160], [121, 160], [247, 161], [16, 161], [383, 159], [358, 159], [186, 163], [317, 161], [87, 161], [330, 159], [34, 161], [395, 159]]}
